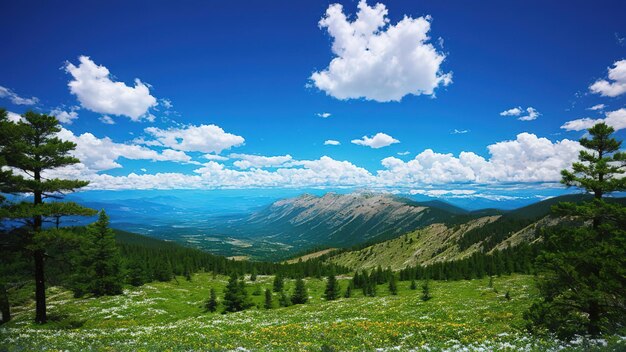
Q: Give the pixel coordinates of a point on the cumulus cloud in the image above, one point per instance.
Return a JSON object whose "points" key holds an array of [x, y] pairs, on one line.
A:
{"points": [[404, 153], [66, 117], [615, 85], [247, 161], [96, 91], [528, 158], [98, 154], [324, 115], [615, 119], [377, 60], [531, 113], [15, 98], [331, 142], [202, 138], [377, 141]]}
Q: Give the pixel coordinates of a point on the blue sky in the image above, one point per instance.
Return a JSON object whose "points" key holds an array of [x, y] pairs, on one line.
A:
{"points": [[247, 69]]}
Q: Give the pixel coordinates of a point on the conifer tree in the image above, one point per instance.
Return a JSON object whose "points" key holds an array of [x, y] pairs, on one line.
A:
{"points": [[581, 270], [393, 285], [331, 292], [99, 264], [211, 304], [136, 273], [426, 290], [279, 282], [32, 146], [300, 294], [413, 285], [235, 296], [253, 275], [283, 299], [268, 299]]}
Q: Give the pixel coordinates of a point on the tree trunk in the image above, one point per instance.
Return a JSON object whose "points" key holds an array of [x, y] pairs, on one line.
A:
{"points": [[5, 308], [39, 256], [593, 327], [40, 287]]}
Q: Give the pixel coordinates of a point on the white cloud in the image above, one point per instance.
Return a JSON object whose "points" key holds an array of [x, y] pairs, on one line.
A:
{"points": [[215, 157], [378, 141], [202, 138], [166, 103], [512, 112], [98, 154], [532, 113], [331, 142], [615, 119], [324, 115], [404, 153], [376, 60], [597, 107], [16, 99], [615, 85], [66, 117], [525, 159], [459, 131], [106, 119], [96, 91], [13, 117], [247, 161]]}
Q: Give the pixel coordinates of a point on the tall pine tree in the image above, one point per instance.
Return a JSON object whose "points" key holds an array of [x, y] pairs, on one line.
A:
{"points": [[32, 146], [331, 292], [300, 294], [582, 268]]}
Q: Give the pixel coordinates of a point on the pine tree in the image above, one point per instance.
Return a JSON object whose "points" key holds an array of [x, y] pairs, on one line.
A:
{"points": [[268, 299], [136, 273], [235, 296], [413, 285], [211, 304], [331, 292], [393, 285], [284, 300], [32, 146], [253, 275], [99, 266], [426, 291], [300, 294], [279, 282], [581, 268]]}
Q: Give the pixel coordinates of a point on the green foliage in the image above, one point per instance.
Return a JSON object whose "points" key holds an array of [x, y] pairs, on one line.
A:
{"points": [[253, 275], [235, 295], [426, 295], [32, 146], [582, 268], [98, 263], [211, 303], [332, 291], [279, 283], [283, 299], [268, 299], [393, 285], [413, 285], [348, 292], [300, 293]]}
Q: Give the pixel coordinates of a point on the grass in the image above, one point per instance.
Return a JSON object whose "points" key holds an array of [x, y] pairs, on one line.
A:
{"points": [[169, 316]]}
